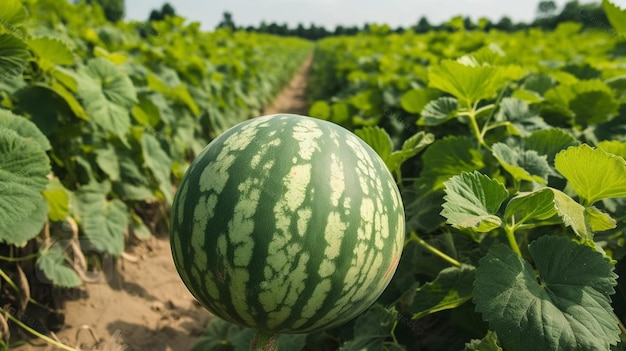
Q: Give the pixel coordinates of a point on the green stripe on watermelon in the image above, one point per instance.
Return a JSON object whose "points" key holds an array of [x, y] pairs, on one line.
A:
{"points": [[287, 224]]}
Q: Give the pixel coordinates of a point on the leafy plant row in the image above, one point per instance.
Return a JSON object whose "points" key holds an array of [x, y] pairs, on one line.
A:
{"points": [[510, 152], [98, 120]]}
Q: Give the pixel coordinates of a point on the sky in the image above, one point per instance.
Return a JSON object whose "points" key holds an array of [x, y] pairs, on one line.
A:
{"points": [[331, 13]]}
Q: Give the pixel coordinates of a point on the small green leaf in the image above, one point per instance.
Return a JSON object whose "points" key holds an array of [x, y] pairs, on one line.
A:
{"points": [[159, 163], [448, 157], [58, 200], [537, 205], [564, 305], [371, 329], [580, 165], [52, 262], [439, 111], [615, 147], [549, 142], [217, 336], [522, 164], [379, 140], [598, 220], [140, 230], [146, 112], [616, 15], [411, 147], [108, 161], [340, 112], [472, 201], [488, 343], [451, 288], [572, 213], [13, 13], [320, 109], [24, 128], [519, 114], [414, 101]]}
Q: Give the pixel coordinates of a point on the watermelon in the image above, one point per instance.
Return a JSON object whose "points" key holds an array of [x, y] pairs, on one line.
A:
{"points": [[287, 224]]}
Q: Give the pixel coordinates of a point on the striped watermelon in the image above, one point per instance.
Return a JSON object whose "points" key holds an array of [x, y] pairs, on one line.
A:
{"points": [[287, 224]]}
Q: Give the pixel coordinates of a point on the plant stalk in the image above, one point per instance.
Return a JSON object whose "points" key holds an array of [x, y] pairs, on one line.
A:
{"points": [[36, 333], [510, 234], [434, 250], [264, 341]]}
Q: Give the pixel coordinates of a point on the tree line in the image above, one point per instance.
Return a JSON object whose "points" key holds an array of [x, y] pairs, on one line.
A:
{"points": [[548, 16]]}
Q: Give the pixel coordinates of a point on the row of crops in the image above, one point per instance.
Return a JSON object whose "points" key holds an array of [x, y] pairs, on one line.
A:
{"points": [[98, 120]]}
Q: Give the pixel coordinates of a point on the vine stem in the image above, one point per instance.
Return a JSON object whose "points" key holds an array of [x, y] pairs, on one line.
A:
{"points": [[434, 250], [510, 234], [36, 333], [264, 341]]}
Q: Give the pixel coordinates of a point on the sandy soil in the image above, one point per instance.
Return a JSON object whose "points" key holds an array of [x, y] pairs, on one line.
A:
{"points": [[142, 304]]}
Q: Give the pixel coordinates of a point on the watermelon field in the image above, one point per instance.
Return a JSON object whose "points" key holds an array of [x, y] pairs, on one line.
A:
{"points": [[457, 189]]}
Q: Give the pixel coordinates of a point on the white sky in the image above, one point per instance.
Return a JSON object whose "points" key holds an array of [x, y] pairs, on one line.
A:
{"points": [[330, 13]]}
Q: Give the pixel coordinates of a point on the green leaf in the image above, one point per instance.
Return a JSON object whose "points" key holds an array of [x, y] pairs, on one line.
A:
{"points": [[108, 95], [108, 161], [340, 112], [51, 50], [572, 214], [217, 336], [13, 55], [52, 262], [590, 101], [472, 201], [580, 165], [13, 13], [615, 147], [371, 329], [599, 221], [451, 288], [175, 90], [488, 343], [522, 164], [320, 109], [24, 128], [439, 111], [24, 167], [159, 163], [414, 101], [133, 184], [103, 222], [448, 157], [469, 81], [379, 140], [519, 114], [537, 205], [140, 230], [616, 15], [549, 142], [58, 200], [563, 305], [146, 112], [411, 147], [20, 231]]}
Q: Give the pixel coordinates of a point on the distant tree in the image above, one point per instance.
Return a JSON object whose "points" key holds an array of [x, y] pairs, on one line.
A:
{"points": [[422, 26], [227, 21], [114, 10], [159, 15], [546, 9], [505, 24]]}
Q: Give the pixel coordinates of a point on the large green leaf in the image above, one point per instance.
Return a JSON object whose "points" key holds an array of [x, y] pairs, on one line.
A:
{"points": [[24, 167], [13, 13], [24, 128], [616, 15], [615, 147], [411, 147], [522, 164], [451, 288], [102, 221], [413, 101], [13, 55], [470, 81], [472, 201], [563, 305], [52, 50], [108, 95], [593, 173], [448, 157], [52, 262], [378, 139]]}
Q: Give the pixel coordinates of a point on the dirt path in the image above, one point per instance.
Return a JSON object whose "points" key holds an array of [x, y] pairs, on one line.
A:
{"points": [[293, 97], [142, 305]]}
